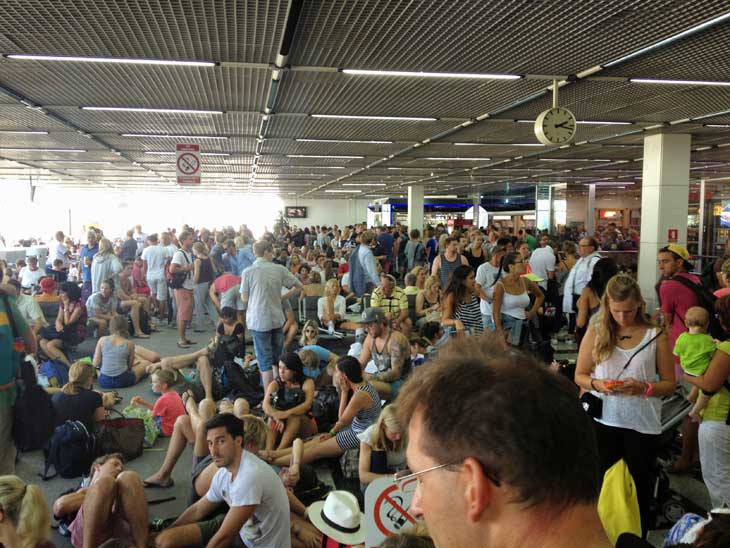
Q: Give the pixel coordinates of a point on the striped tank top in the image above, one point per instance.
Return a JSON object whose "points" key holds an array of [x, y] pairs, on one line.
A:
{"points": [[367, 417], [470, 315]]}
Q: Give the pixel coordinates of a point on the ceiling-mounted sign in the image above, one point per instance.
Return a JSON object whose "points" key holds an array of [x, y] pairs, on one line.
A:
{"points": [[187, 164]]}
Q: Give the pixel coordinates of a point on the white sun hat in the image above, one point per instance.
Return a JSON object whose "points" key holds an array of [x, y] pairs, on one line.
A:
{"points": [[339, 517]]}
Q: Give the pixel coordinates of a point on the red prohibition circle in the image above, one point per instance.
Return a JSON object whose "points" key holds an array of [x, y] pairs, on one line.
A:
{"points": [[190, 161]]}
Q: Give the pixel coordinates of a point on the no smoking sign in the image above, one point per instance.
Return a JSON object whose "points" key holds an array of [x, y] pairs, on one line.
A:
{"points": [[188, 164], [386, 511]]}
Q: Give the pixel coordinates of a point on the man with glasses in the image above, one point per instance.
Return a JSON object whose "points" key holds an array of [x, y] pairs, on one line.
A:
{"points": [[501, 452], [579, 276]]}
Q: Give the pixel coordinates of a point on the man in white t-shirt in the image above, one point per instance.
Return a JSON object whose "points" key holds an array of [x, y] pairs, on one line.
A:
{"points": [[542, 262], [140, 237], [182, 263], [30, 275], [57, 250], [155, 257], [258, 514], [485, 279]]}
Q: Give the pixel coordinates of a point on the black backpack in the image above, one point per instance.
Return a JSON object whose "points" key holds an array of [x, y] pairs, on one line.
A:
{"points": [[706, 300], [326, 407], [33, 414], [70, 452], [709, 277]]}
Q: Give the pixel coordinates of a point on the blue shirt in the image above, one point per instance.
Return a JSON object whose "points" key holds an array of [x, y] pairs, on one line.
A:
{"points": [[245, 259], [323, 354], [386, 240], [230, 264], [86, 252]]}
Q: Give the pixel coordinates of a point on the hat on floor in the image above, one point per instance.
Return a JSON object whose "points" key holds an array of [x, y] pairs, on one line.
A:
{"points": [[48, 285], [339, 517]]}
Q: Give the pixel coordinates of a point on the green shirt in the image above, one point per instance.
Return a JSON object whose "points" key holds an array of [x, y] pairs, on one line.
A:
{"points": [[719, 404], [8, 356], [531, 241], [695, 352]]}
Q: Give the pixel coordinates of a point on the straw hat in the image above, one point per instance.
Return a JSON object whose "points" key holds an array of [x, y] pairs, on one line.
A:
{"points": [[339, 517]]}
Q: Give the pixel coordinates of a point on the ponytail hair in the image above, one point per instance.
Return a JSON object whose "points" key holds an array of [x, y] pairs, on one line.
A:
{"points": [[79, 375], [504, 264], [26, 509]]}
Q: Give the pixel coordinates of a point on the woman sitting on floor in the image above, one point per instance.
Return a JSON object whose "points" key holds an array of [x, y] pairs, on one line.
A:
{"points": [[382, 447], [115, 356], [70, 327], [359, 409], [288, 403]]}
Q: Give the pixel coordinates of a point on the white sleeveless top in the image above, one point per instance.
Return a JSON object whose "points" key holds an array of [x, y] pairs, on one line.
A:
{"points": [[637, 413], [515, 305]]}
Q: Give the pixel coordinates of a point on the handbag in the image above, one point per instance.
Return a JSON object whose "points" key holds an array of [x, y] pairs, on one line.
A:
{"points": [[287, 398], [177, 279], [592, 404], [121, 435]]}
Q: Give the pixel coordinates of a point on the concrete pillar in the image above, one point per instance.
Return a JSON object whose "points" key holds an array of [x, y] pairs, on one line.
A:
{"points": [[476, 200], [664, 203], [591, 210], [415, 208]]}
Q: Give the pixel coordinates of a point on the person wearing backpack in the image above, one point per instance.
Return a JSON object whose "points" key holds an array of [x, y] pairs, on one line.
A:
{"points": [[415, 250], [16, 337]]}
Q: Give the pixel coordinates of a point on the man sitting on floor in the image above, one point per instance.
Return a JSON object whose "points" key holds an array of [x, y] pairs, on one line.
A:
{"points": [[258, 513], [102, 307], [108, 507]]}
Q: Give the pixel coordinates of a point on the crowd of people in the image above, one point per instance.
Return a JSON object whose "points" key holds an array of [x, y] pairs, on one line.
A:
{"points": [[449, 379]]}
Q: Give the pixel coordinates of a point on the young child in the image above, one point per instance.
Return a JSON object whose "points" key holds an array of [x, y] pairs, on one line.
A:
{"points": [[168, 407], [695, 349], [418, 350], [73, 273]]}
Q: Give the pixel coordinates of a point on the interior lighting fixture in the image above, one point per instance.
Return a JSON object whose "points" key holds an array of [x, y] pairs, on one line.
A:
{"points": [[338, 191], [364, 184], [614, 183], [193, 137], [444, 196], [159, 110], [119, 60], [671, 39], [458, 159], [22, 132], [323, 156], [586, 122], [170, 153], [677, 82], [498, 144], [391, 118], [344, 141], [105, 162], [465, 75], [574, 160], [25, 149], [709, 125]]}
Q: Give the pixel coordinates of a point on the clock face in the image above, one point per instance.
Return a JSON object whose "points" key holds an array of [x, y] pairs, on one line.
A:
{"points": [[555, 126]]}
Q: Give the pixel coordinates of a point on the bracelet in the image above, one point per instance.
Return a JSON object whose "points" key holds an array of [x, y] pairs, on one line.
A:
{"points": [[649, 390], [593, 387], [333, 433]]}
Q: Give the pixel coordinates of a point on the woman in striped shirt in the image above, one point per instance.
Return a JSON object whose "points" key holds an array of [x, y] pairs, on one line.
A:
{"points": [[460, 308]]}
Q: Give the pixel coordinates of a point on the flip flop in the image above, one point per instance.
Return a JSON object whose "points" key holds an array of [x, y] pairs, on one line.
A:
{"points": [[169, 483], [188, 341], [183, 344], [141, 336]]}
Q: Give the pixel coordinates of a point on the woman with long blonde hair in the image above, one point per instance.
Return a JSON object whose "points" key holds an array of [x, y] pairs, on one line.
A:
{"points": [[382, 447], [25, 520], [76, 401], [620, 358], [105, 264]]}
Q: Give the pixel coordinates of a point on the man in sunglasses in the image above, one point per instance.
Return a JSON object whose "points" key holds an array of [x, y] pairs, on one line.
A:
{"points": [[500, 451]]}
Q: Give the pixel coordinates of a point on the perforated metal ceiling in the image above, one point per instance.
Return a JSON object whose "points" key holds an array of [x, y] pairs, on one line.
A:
{"points": [[270, 130]]}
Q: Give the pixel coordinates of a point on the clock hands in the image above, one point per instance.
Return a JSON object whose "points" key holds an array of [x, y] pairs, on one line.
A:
{"points": [[563, 125]]}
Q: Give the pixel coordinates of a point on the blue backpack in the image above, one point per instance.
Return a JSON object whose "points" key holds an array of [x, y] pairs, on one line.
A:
{"points": [[53, 374], [358, 283], [70, 452]]}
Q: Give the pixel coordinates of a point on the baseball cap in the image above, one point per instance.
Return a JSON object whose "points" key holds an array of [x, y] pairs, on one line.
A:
{"points": [[678, 250], [48, 285], [372, 315]]}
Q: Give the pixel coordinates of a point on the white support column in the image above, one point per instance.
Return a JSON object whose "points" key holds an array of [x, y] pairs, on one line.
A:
{"points": [[476, 200], [664, 203], [415, 208], [591, 213]]}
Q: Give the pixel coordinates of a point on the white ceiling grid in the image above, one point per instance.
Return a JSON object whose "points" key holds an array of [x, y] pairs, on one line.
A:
{"points": [[303, 155]]}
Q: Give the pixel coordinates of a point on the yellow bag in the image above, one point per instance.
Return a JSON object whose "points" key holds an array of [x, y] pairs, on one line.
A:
{"points": [[618, 505]]}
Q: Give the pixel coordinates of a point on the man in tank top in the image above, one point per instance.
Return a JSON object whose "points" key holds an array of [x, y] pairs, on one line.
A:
{"points": [[448, 261]]}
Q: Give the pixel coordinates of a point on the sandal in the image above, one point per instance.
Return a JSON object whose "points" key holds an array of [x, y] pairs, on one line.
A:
{"points": [[169, 483], [141, 336], [188, 341], [183, 344]]}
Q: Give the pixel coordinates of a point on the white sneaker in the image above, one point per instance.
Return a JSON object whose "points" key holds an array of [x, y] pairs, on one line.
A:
{"points": [[331, 328]]}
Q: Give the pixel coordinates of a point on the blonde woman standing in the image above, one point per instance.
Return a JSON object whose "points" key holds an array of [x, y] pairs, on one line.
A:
{"points": [[25, 520], [626, 362], [104, 265]]}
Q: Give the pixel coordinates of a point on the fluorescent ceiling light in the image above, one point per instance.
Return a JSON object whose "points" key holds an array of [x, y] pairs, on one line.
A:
{"points": [[106, 162], [353, 117], [22, 132], [574, 160], [498, 144], [25, 149], [614, 183], [308, 167], [677, 82], [344, 191], [160, 110], [323, 156], [473, 76], [671, 39], [447, 196], [154, 136], [717, 125], [586, 122], [364, 184], [457, 159], [343, 141], [163, 153], [120, 60]]}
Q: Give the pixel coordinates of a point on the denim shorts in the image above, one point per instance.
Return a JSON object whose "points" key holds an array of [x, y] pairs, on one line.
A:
{"points": [[268, 346], [128, 378]]}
